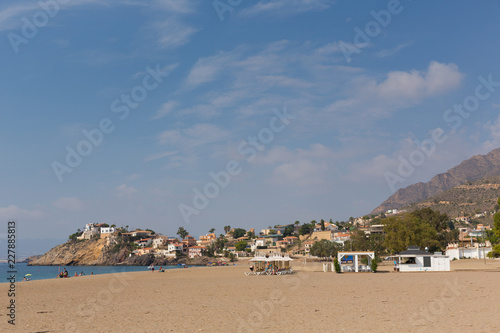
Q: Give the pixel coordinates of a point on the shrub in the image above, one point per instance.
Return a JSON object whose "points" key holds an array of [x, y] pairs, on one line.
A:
{"points": [[336, 265], [374, 265]]}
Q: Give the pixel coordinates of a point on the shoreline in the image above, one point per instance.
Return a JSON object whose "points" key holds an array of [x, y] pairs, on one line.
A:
{"points": [[224, 299]]}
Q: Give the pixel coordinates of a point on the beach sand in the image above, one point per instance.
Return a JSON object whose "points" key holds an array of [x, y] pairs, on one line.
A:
{"points": [[223, 299]]}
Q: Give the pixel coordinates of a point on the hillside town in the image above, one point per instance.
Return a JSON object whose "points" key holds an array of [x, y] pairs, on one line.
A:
{"points": [[461, 237]]}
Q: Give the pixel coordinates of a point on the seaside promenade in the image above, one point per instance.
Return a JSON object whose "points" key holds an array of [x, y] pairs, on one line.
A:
{"points": [[223, 299]]}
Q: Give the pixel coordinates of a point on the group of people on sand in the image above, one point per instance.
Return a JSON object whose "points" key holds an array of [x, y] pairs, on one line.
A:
{"points": [[64, 274]]}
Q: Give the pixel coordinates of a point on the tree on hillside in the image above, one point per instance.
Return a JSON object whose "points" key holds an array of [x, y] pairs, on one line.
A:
{"points": [[288, 231], [411, 229], [324, 249], [241, 245], [297, 222], [437, 220], [359, 241], [239, 232], [227, 228], [211, 231], [305, 229], [182, 232], [494, 236], [322, 225]]}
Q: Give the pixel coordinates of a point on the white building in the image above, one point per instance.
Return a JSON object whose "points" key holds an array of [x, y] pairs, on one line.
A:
{"points": [[173, 247], [416, 260], [468, 252], [107, 230]]}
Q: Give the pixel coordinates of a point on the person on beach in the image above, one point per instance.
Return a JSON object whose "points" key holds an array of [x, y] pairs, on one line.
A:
{"points": [[82, 274], [251, 268], [76, 274], [65, 273]]}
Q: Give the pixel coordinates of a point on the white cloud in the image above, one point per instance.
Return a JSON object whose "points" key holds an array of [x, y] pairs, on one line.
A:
{"points": [[286, 7], [69, 204], [165, 109], [157, 156], [197, 135], [125, 191], [207, 69], [390, 52], [399, 90], [493, 132], [439, 78], [14, 212], [301, 172], [173, 33], [178, 6]]}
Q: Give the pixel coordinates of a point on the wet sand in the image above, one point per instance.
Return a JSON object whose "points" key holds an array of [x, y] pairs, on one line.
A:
{"points": [[223, 299]]}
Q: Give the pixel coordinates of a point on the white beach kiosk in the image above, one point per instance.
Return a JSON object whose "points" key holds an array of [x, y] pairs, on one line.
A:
{"points": [[353, 258], [416, 260]]}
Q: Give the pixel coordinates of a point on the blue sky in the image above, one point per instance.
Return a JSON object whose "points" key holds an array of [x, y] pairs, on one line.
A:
{"points": [[360, 93]]}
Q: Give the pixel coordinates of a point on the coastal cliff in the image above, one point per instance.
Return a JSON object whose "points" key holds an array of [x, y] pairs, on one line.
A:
{"points": [[95, 253], [83, 253]]}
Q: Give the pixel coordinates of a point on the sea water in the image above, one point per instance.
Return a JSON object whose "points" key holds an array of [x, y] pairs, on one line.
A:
{"points": [[50, 272]]}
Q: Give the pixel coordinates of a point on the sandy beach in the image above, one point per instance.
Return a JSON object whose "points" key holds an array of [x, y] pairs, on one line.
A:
{"points": [[223, 299]]}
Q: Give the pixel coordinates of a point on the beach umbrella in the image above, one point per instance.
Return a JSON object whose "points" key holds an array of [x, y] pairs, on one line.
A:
{"points": [[28, 275]]}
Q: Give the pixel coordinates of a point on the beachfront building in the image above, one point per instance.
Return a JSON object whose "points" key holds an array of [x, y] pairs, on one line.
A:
{"points": [[476, 252], [206, 240], [139, 233], [282, 244], [416, 260], [189, 241], [290, 240], [174, 247], [144, 242], [107, 232], [328, 227], [341, 237], [351, 261], [143, 251], [159, 241], [91, 230], [258, 243], [163, 253], [196, 251], [307, 246]]}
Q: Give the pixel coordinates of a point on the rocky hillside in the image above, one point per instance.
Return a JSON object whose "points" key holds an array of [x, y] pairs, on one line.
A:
{"points": [[74, 253], [95, 253], [465, 200], [473, 169]]}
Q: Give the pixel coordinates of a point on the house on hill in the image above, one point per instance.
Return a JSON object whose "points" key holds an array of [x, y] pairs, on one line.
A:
{"points": [[189, 241], [196, 251]]}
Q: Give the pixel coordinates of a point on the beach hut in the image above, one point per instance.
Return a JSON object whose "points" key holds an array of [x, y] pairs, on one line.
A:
{"points": [[416, 260], [272, 264], [350, 261]]}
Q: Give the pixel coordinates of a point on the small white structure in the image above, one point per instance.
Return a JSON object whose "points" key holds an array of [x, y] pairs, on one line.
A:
{"points": [[468, 252], [353, 258], [416, 260]]}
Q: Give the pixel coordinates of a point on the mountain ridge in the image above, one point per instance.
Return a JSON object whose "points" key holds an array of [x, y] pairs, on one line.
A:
{"points": [[469, 170]]}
